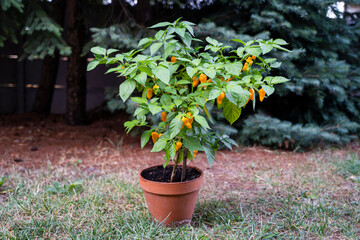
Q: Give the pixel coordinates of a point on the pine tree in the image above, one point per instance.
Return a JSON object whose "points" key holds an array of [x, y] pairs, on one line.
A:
{"points": [[322, 100]]}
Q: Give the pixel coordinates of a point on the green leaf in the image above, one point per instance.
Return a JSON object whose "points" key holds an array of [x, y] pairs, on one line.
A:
{"points": [[159, 34], [92, 64], [183, 82], [111, 50], [126, 89], [145, 136], [146, 70], [212, 41], [161, 24], [163, 74], [265, 48], [189, 28], [139, 100], [257, 77], [141, 78], [168, 49], [180, 32], [214, 93], [281, 48], [187, 39], [178, 102], [280, 41], [130, 125], [210, 154], [234, 68], [159, 145], [275, 65], [98, 50], [139, 112], [196, 62], [140, 58], [254, 50], [191, 71], [154, 47], [240, 51], [183, 59], [170, 90], [239, 40], [270, 60], [175, 126], [183, 90], [202, 121], [210, 72], [154, 109], [276, 80], [144, 41], [269, 90], [231, 111], [192, 144], [187, 23], [172, 150]]}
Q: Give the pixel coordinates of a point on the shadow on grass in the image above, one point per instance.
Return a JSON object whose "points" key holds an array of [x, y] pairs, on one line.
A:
{"points": [[216, 212]]}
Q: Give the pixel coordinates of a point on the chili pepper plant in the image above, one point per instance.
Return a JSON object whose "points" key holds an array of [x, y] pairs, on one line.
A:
{"points": [[168, 76]]}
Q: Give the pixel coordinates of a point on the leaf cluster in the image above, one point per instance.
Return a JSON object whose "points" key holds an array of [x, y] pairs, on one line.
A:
{"points": [[174, 78]]}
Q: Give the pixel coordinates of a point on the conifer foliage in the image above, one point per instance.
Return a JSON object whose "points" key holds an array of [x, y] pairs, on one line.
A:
{"points": [[324, 69]]}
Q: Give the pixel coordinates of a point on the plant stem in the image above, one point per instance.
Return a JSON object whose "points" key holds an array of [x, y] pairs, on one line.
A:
{"points": [[183, 172], [174, 167]]}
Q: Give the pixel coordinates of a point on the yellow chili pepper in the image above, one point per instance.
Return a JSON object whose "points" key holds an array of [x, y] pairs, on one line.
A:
{"points": [[186, 122], [252, 93], [203, 78], [149, 93], [178, 145], [261, 94], [173, 59], [245, 67], [156, 89], [249, 60], [220, 98], [154, 136], [251, 96], [195, 81], [163, 116]]}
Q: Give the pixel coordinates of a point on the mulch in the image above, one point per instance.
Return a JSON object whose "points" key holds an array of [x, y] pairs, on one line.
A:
{"points": [[31, 141]]}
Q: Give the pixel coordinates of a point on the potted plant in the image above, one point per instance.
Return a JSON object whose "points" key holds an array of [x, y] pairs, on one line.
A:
{"points": [[167, 76]]}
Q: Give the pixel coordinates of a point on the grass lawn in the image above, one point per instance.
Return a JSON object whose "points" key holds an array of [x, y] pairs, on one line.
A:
{"points": [[315, 199]]}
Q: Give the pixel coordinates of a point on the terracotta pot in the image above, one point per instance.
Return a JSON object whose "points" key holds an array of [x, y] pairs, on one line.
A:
{"points": [[172, 204]]}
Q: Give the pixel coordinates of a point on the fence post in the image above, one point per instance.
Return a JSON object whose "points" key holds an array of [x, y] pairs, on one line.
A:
{"points": [[20, 85]]}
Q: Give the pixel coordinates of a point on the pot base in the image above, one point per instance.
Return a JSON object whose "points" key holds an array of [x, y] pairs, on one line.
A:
{"points": [[172, 204]]}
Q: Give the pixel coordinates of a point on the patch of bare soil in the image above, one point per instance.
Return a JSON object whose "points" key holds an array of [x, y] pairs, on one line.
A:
{"points": [[31, 141]]}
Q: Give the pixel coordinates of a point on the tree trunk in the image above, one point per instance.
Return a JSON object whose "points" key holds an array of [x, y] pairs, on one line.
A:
{"points": [[45, 92], [76, 79], [47, 82]]}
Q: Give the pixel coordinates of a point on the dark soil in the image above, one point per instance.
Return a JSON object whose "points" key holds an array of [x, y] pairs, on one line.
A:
{"points": [[161, 174]]}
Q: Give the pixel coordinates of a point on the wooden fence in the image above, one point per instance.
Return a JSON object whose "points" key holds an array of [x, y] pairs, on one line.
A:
{"points": [[19, 83]]}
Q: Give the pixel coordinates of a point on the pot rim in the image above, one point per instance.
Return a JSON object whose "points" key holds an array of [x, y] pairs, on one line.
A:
{"points": [[168, 183]]}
